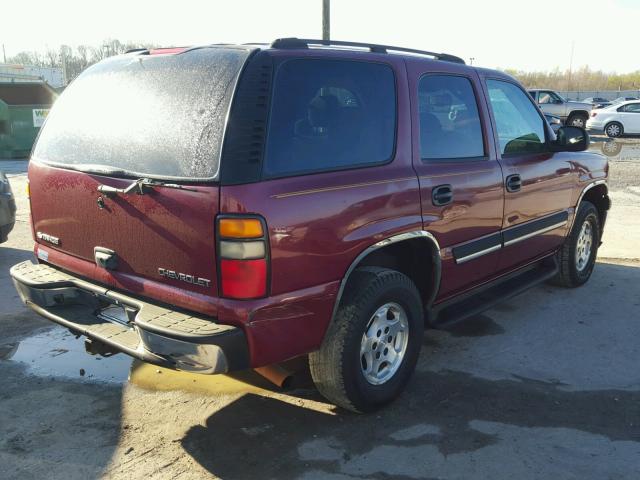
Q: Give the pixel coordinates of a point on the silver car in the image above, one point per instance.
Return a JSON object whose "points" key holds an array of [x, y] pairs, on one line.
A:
{"points": [[571, 113], [7, 208]]}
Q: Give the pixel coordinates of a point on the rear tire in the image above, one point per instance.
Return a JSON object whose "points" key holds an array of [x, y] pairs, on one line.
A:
{"points": [[613, 129], [365, 361], [578, 120], [577, 257]]}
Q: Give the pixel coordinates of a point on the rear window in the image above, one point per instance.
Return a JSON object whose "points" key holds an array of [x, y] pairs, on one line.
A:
{"points": [[149, 115], [330, 115]]}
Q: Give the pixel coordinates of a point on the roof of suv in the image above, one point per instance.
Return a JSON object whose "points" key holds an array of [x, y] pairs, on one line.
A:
{"points": [[294, 43], [306, 43]]}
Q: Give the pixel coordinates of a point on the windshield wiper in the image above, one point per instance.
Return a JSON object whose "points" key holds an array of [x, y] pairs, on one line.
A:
{"points": [[140, 186]]}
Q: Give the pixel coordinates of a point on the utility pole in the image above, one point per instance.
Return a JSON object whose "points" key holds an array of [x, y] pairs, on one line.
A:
{"points": [[4, 54], [326, 19], [573, 44]]}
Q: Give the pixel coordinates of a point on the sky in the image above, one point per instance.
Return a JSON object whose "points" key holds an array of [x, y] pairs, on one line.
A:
{"points": [[531, 35]]}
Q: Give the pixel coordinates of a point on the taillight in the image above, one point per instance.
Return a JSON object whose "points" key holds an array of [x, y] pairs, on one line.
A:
{"points": [[243, 253]]}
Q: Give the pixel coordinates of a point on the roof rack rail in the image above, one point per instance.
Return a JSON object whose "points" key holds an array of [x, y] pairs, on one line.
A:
{"points": [[293, 42], [137, 50]]}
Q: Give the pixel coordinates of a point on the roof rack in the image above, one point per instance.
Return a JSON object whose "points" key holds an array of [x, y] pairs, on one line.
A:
{"points": [[293, 42], [137, 50]]}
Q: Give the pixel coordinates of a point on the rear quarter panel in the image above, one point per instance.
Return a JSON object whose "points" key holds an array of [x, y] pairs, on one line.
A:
{"points": [[317, 225]]}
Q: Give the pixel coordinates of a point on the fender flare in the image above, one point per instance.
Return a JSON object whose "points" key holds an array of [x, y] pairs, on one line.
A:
{"points": [[577, 112], [436, 257], [577, 205]]}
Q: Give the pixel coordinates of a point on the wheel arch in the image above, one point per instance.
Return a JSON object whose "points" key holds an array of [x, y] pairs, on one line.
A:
{"points": [[598, 194], [573, 113], [415, 253], [617, 122]]}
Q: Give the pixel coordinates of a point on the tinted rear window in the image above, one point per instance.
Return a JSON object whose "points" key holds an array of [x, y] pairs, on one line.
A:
{"points": [[151, 115], [329, 115]]}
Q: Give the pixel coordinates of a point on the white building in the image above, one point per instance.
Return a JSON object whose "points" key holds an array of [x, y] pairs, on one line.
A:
{"points": [[54, 76]]}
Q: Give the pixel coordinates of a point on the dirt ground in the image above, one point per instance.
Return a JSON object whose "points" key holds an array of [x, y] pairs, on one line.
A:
{"points": [[545, 385]]}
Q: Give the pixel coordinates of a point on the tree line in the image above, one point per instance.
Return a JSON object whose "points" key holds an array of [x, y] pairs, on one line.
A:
{"points": [[74, 60], [583, 79]]}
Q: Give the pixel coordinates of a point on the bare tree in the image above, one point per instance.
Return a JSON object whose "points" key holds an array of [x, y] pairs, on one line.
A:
{"points": [[52, 59]]}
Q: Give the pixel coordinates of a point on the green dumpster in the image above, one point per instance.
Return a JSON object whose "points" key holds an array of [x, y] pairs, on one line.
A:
{"points": [[23, 108]]}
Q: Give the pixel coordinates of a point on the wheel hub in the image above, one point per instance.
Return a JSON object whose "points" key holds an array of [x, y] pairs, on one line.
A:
{"points": [[578, 122], [613, 130], [384, 343], [583, 247]]}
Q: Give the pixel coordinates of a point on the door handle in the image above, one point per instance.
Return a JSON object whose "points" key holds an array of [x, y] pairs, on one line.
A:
{"points": [[442, 195], [513, 183]]}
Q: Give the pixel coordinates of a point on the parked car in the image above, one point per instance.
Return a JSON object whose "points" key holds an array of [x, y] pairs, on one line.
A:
{"points": [[553, 121], [616, 120], [623, 99], [597, 102], [571, 113], [7, 208], [260, 203]]}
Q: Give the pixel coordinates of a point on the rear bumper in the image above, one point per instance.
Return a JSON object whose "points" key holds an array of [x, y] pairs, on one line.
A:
{"points": [[146, 331]]}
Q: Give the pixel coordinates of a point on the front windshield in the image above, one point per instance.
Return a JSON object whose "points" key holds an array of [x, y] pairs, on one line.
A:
{"points": [[160, 116]]}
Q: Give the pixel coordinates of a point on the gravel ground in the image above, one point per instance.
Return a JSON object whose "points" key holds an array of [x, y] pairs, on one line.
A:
{"points": [[545, 385]]}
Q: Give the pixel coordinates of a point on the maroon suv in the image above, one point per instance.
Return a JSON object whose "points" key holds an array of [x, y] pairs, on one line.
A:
{"points": [[232, 206]]}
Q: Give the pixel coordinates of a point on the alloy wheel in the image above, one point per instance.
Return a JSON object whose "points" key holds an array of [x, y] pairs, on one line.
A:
{"points": [[583, 247], [384, 343], [613, 130]]}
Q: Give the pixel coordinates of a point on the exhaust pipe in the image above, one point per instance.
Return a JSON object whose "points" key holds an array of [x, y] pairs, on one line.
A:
{"points": [[276, 374]]}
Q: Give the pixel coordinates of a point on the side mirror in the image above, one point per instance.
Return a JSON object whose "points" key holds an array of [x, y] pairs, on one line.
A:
{"points": [[571, 139]]}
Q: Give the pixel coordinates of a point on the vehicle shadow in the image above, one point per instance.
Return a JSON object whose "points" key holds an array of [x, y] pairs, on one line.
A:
{"points": [[444, 413], [259, 437], [55, 427]]}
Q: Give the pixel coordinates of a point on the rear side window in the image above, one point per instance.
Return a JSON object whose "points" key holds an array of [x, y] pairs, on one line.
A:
{"points": [[520, 127], [449, 121], [330, 115], [630, 107]]}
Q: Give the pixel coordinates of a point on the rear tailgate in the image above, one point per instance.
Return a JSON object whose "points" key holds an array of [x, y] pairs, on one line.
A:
{"points": [[160, 118], [164, 229]]}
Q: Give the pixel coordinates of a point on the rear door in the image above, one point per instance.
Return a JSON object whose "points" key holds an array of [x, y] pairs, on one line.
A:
{"points": [[133, 117], [538, 183], [460, 178], [630, 118]]}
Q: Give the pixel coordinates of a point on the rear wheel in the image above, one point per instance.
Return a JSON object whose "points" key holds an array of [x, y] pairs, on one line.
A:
{"points": [[577, 257], [371, 348], [578, 120], [614, 129]]}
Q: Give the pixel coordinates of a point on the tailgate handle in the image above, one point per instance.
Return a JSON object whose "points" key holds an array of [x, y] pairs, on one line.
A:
{"points": [[105, 258]]}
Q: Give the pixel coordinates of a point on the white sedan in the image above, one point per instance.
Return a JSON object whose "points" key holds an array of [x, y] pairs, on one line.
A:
{"points": [[616, 120]]}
